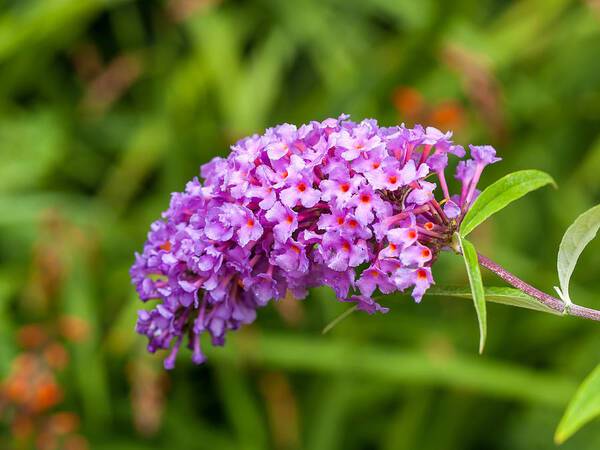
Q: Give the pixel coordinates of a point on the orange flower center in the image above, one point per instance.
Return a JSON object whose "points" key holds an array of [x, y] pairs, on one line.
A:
{"points": [[412, 234], [241, 284], [166, 246], [393, 179], [301, 187], [426, 253], [353, 223], [289, 219], [346, 246], [429, 226], [340, 220], [296, 249], [375, 165], [344, 187], [250, 223], [365, 198]]}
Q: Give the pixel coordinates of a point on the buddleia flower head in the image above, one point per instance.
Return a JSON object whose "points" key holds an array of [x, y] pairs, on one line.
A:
{"points": [[351, 206]]}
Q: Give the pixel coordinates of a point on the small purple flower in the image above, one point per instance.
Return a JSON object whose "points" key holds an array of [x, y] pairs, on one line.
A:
{"points": [[373, 278], [437, 162], [263, 288], [484, 154], [220, 222], [422, 194], [433, 136], [263, 190], [368, 161], [284, 220], [340, 253], [367, 202], [361, 142], [465, 171], [366, 303], [404, 237], [249, 229], [345, 223], [416, 255], [339, 186], [451, 209], [391, 251], [300, 190], [290, 256], [420, 278], [391, 176]]}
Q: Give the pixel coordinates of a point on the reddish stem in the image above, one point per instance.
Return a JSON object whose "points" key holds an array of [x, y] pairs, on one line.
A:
{"points": [[403, 215], [551, 302]]}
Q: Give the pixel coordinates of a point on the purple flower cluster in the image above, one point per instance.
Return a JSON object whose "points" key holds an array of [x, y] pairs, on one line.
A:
{"points": [[334, 203]]}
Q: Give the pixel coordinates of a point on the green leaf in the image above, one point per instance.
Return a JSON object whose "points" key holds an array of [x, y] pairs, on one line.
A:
{"points": [[583, 407], [501, 193], [503, 295], [577, 236], [470, 257]]}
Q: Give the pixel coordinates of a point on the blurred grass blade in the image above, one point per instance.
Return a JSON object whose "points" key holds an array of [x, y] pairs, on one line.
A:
{"points": [[143, 154], [186, 430], [338, 319], [575, 239], [79, 308], [32, 145], [242, 408], [8, 286], [331, 405], [470, 257], [502, 295], [261, 80], [413, 15], [390, 364], [500, 194], [39, 22], [583, 407], [406, 423]]}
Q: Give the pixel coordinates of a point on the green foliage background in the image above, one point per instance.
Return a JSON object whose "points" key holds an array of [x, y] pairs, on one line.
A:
{"points": [[106, 106]]}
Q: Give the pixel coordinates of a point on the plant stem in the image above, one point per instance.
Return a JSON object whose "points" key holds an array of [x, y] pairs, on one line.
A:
{"points": [[551, 302], [546, 299]]}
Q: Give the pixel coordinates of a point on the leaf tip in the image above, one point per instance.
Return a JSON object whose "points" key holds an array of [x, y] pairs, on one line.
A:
{"points": [[560, 437]]}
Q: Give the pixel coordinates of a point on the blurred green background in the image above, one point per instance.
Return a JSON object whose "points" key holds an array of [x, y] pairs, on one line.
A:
{"points": [[106, 106]]}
